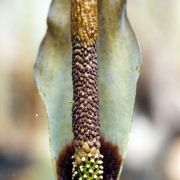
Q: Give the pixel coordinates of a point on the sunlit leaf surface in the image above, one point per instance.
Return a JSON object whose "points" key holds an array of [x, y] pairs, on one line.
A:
{"points": [[119, 65]]}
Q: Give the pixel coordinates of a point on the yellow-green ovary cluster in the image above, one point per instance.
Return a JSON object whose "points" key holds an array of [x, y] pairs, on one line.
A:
{"points": [[90, 168]]}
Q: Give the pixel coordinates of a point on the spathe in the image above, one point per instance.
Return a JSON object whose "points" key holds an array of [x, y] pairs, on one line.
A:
{"points": [[119, 64]]}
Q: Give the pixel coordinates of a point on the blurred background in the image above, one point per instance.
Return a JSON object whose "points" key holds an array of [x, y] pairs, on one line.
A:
{"points": [[154, 149]]}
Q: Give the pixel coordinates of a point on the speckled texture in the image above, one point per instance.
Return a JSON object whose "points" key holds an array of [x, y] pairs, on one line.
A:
{"points": [[84, 20], [86, 103], [85, 111]]}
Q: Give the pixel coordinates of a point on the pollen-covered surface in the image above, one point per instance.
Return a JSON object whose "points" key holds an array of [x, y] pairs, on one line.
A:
{"points": [[84, 20]]}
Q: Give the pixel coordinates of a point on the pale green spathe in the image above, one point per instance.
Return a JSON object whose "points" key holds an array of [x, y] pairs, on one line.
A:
{"points": [[119, 65]]}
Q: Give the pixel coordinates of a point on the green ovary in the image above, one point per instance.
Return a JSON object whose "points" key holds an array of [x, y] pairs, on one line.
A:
{"points": [[90, 168]]}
